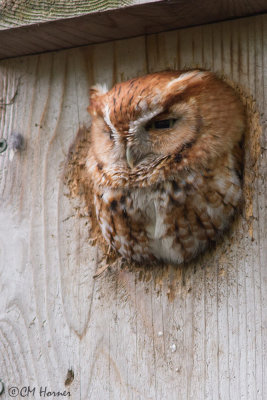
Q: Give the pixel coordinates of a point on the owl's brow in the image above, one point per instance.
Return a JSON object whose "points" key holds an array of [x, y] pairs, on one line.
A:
{"points": [[145, 117], [162, 115], [107, 120]]}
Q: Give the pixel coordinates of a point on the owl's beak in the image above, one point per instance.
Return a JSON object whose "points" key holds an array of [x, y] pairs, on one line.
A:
{"points": [[130, 157]]}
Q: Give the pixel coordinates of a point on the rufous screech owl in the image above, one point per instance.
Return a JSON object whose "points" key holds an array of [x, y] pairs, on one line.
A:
{"points": [[165, 163]]}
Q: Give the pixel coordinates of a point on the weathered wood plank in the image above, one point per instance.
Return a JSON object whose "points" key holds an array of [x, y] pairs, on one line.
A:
{"points": [[38, 26], [20, 13], [15, 13], [194, 333]]}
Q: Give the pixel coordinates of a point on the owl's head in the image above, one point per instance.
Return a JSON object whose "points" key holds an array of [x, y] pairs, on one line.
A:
{"points": [[157, 125]]}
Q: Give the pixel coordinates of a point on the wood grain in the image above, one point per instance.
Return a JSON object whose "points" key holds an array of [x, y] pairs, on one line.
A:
{"points": [[29, 27], [167, 334], [18, 12]]}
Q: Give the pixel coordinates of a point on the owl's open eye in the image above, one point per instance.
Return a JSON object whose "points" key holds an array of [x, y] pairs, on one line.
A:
{"points": [[161, 124]]}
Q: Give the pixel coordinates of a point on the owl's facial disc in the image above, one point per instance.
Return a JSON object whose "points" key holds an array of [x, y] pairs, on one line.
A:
{"points": [[163, 133], [143, 149]]}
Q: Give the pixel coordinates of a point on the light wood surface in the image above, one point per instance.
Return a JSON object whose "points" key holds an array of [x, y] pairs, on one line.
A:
{"points": [[36, 26], [197, 333]]}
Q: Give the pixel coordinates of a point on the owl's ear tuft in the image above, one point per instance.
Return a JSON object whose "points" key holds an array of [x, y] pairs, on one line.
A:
{"points": [[97, 93], [188, 78], [98, 90]]}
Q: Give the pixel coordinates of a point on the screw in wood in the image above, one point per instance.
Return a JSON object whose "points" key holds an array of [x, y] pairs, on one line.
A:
{"points": [[3, 145], [2, 387]]}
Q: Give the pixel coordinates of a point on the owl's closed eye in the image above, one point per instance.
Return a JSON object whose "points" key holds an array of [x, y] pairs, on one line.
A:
{"points": [[164, 163]]}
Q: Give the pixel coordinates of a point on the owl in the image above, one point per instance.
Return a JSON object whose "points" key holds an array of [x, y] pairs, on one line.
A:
{"points": [[165, 163]]}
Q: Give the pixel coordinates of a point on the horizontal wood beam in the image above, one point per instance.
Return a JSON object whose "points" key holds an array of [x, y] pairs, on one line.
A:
{"points": [[40, 26], [15, 13]]}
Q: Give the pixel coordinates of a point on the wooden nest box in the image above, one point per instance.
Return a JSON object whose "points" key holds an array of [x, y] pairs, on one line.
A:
{"points": [[139, 333]]}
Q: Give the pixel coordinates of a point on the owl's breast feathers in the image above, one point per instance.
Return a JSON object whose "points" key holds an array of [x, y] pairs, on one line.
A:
{"points": [[173, 220]]}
